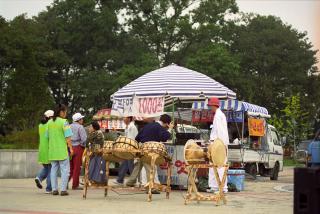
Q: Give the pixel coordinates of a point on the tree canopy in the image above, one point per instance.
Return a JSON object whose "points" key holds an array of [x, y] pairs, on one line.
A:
{"points": [[80, 52]]}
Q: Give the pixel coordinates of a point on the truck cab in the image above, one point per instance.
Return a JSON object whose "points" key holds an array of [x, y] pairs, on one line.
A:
{"points": [[265, 159]]}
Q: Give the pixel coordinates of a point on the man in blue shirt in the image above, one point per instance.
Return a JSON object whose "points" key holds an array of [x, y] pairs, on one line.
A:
{"points": [[156, 131]]}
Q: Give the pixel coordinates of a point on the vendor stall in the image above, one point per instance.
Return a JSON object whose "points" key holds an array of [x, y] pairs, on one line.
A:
{"points": [[165, 88]]}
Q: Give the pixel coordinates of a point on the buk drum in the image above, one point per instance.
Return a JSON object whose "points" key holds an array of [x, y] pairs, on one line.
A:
{"points": [[150, 148], [125, 148], [194, 154], [107, 151], [217, 153]]}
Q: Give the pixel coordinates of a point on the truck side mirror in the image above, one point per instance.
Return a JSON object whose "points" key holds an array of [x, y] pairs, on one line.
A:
{"points": [[283, 141]]}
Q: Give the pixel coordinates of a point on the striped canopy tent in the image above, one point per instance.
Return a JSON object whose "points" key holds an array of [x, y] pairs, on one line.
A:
{"points": [[236, 106], [174, 82]]}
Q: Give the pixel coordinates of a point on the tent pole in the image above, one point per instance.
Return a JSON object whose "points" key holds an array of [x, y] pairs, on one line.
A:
{"points": [[172, 131]]}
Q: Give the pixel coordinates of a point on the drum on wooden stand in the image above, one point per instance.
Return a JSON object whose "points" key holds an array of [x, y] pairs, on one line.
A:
{"points": [[125, 148], [149, 148], [194, 154]]}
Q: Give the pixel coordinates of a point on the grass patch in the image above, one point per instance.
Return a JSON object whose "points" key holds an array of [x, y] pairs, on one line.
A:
{"points": [[291, 162], [27, 139]]}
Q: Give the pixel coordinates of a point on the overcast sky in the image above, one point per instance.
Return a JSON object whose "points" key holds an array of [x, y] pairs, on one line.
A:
{"points": [[303, 15]]}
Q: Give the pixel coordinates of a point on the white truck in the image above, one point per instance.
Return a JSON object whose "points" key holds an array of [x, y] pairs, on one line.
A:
{"points": [[267, 160]]}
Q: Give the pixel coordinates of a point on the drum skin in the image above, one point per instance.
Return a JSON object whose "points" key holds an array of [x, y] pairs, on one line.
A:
{"points": [[217, 153], [193, 153]]}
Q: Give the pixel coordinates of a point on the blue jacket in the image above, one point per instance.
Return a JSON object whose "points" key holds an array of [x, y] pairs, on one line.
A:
{"points": [[153, 132]]}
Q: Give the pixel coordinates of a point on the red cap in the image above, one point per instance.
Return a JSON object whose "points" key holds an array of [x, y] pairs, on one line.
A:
{"points": [[213, 101]]}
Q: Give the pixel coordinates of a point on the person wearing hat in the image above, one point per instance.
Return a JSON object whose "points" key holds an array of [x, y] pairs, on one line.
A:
{"points": [[43, 157], [219, 130], [78, 141]]}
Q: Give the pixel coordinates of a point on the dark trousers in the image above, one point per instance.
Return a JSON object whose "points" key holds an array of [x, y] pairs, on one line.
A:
{"points": [[126, 166], [75, 165]]}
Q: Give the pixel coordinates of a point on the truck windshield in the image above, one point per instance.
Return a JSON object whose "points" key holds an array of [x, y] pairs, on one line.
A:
{"points": [[275, 137]]}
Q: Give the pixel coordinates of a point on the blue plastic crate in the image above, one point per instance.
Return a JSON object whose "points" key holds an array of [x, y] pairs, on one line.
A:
{"points": [[236, 177]]}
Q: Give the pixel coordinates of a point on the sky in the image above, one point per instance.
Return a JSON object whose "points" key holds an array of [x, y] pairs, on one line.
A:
{"points": [[301, 14]]}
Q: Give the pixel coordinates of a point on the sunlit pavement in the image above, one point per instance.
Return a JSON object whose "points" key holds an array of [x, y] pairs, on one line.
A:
{"points": [[260, 196]]}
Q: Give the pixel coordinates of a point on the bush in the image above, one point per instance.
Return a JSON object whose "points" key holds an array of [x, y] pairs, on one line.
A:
{"points": [[27, 139]]}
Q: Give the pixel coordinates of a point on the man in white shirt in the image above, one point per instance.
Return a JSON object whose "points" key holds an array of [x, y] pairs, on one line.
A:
{"points": [[131, 132], [219, 130]]}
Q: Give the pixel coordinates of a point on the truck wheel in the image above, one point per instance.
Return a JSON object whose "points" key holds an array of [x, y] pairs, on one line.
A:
{"points": [[252, 170], [263, 171], [275, 172]]}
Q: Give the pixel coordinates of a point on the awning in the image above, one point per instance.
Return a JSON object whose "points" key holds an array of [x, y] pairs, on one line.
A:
{"points": [[235, 105], [176, 82]]}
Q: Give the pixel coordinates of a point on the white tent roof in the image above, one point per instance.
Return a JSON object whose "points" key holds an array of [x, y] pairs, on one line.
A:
{"points": [[176, 82]]}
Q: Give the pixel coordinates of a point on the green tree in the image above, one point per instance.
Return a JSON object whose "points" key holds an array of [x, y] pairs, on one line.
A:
{"points": [[27, 94], [84, 41], [277, 59], [217, 62], [294, 123], [171, 27], [21, 49], [4, 64]]}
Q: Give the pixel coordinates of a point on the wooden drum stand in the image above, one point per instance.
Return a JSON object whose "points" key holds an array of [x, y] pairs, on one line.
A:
{"points": [[195, 158], [151, 156], [155, 153]]}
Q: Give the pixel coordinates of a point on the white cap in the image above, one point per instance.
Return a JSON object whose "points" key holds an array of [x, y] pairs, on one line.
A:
{"points": [[77, 116], [49, 113]]}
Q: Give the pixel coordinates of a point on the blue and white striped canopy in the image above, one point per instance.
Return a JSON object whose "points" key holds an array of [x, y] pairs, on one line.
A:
{"points": [[176, 82], [233, 105]]}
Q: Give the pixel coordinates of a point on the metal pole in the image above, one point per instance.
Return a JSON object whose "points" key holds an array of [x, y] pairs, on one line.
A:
{"points": [[172, 131]]}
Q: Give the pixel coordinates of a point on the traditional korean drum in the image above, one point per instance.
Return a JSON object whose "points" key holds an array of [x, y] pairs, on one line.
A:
{"points": [[125, 148], [194, 154], [150, 148], [107, 151], [217, 153]]}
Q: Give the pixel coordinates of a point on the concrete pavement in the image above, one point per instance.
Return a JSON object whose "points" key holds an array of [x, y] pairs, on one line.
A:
{"points": [[260, 196]]}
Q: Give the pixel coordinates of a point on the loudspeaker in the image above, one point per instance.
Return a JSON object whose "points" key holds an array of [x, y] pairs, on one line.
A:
{"points": [[307, 191]]}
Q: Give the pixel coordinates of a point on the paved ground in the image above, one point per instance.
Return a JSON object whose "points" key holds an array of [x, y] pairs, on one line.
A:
{"points": [[260, 196]]}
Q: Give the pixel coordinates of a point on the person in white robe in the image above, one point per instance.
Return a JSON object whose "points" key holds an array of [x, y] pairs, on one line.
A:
{"points": [[219, 130]]}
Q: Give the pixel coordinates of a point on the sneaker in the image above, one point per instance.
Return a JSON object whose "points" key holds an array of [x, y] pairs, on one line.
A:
{"points": [[55, 192], [117, 183], [64, 193], [211, 190], [48, 192], [38, 183]]}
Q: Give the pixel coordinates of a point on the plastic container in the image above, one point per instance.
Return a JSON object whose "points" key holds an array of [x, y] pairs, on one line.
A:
{"points": [[236, 177]]}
